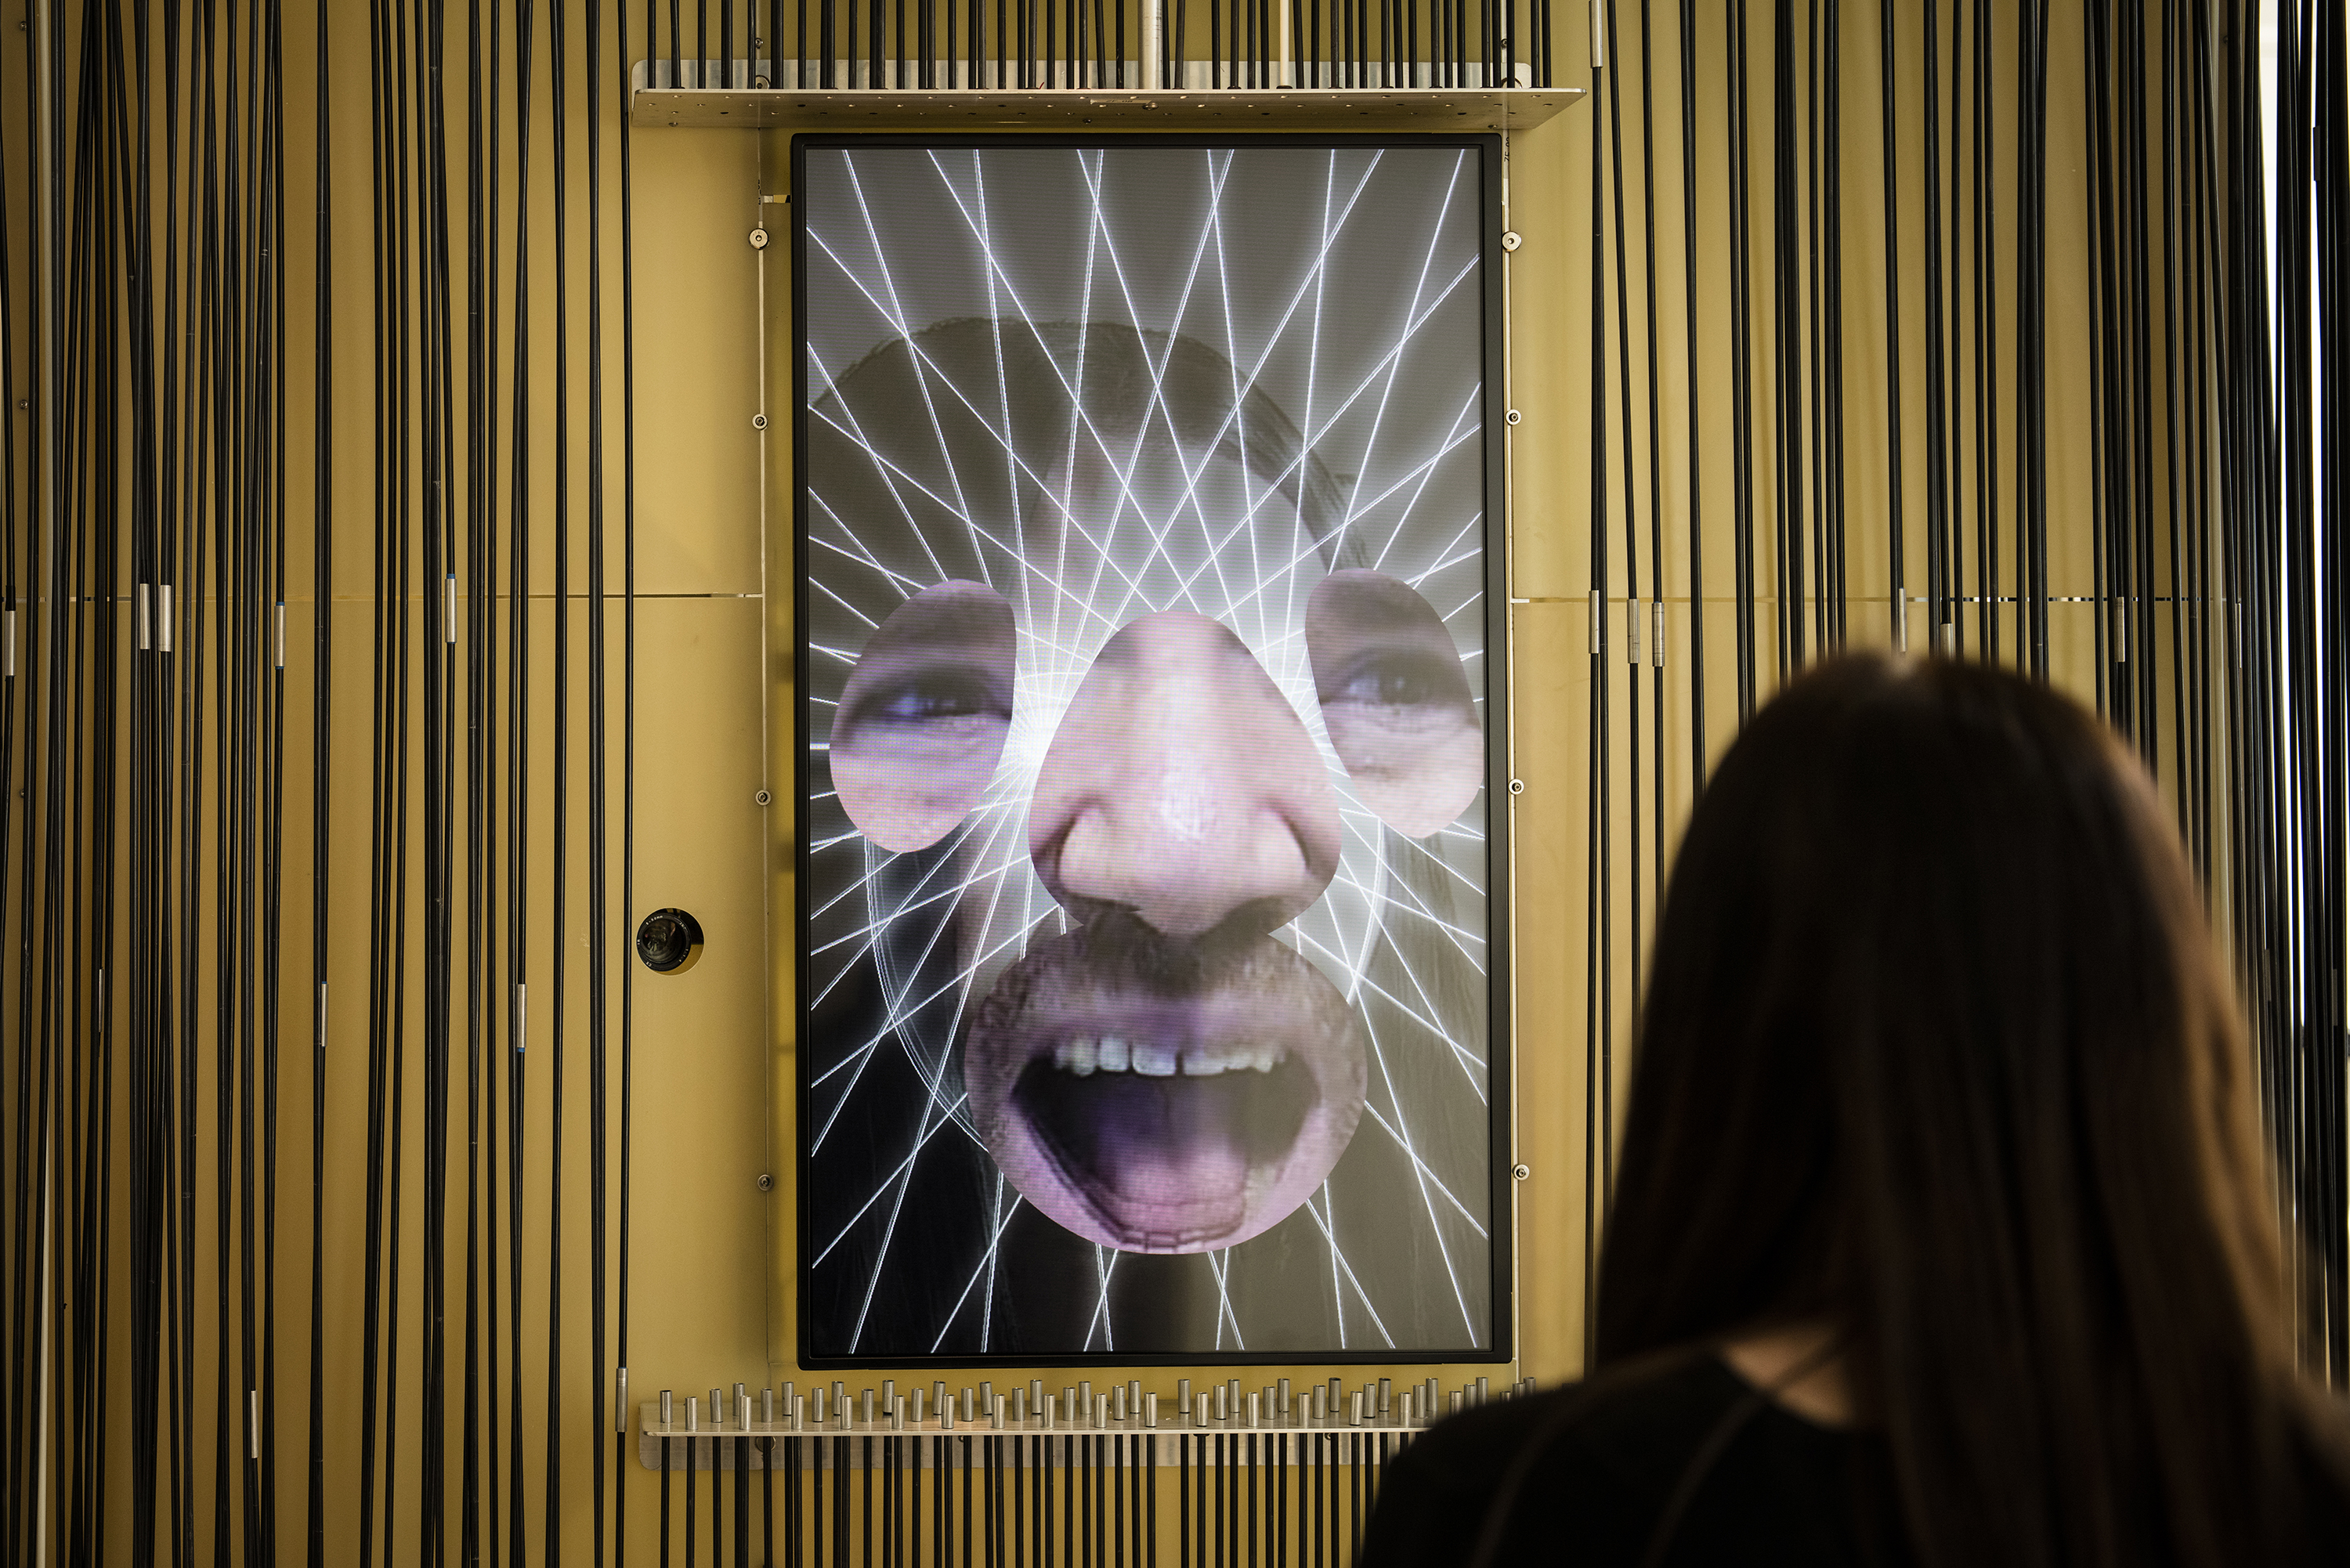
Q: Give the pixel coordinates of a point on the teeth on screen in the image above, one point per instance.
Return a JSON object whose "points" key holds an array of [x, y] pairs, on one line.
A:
{"points": [[1152, 1060]]}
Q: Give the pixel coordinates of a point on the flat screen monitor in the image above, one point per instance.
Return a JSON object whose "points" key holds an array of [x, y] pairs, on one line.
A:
{"points": [[1149, 499]]}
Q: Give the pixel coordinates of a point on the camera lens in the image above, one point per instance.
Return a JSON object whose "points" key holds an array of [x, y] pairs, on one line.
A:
{"points": [[669, 941]]}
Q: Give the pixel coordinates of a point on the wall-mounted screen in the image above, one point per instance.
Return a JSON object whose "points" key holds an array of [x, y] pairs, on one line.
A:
{"points": [[1149, 711]]}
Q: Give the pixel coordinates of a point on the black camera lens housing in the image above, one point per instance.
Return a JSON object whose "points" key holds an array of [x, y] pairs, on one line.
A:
{"points": [[669, 941]]}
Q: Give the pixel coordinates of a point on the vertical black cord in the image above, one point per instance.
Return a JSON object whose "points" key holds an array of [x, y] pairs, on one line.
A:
{"points": [[1897, 587], [1687, 40], [1741, 361], [1599, 1045], [628, 773], [1656, 460], [559, 858], [518, 637], [1940, 615], [1631, 515]]}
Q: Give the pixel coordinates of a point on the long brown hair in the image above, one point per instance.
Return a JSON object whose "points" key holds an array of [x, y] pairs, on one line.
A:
{"points": [[1937, 1047]]}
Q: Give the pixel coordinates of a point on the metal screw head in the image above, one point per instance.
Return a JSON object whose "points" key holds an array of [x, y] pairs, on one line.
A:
{"points": [[759, 239], [763, 798], [767, 1183], [1519, 1171], [1513, 415], [758, 421], [1517, 786], [1509, 240]]}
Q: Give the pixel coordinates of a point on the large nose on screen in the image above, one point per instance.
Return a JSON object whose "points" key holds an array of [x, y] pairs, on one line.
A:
{"points": [[1182, 788]]}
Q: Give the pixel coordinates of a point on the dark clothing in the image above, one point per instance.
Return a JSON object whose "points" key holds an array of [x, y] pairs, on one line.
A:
{"points": [[1596, 1471]]}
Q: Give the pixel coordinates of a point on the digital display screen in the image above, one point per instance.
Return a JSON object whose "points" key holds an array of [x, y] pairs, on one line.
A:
{"points": [[1148, 621]]}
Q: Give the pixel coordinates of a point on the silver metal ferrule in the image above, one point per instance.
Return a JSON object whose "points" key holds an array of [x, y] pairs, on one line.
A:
{"points": [[1150, 1409], [766, 1407], [1283, 1387], [869, 1408], [138, 616], [742, 1410], [163, 617], [450, 609], [253, 1422], [668, 1414], [620, 1400], [1659, 643], [999, 1413], [281, 634], [693, 1413], [1387, 1394], [1598, 35], [717, 1408], [1255, 1408], [10, 652], [1101, 1411], [799, 1413], [1184, 1396], [918, 1406]]}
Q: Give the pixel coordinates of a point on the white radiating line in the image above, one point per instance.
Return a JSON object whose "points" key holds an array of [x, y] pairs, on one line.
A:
{"points": [[862, 1208], [1328, 1222], [1420, 1176], [904, 510], [898, 319], [826, 590], [1418, 290], [1220, 1265], [1105, 1265], [1003, 399], [1466, 1056], [986, 1262], [1426, 1169], [987, 1301], [1338, 1294], [1461, 431]]}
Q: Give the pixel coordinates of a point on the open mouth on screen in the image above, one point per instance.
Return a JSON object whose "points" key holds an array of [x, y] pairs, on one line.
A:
{"points": [[1162, 1102], [1167, 1145]]}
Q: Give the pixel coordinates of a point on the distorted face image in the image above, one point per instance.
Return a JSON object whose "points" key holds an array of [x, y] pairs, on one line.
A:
{"points": [[1184, 746], [1167, 1075]]}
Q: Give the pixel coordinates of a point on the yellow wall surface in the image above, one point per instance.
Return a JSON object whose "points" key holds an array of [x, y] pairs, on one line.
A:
{"points": [[712, 1261]]}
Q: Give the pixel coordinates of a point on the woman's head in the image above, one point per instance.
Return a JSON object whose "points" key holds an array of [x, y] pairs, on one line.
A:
{"points": [[1937, 1047]]}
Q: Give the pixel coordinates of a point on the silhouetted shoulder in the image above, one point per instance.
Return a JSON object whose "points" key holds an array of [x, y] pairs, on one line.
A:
{"points": [[1589, 1473]]}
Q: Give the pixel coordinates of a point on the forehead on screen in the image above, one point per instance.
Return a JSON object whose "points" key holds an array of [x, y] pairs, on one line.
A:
{"points": [[1088, 472]]}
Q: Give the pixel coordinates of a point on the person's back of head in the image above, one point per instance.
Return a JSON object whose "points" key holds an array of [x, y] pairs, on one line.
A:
{"points": [[1938, 1050]]}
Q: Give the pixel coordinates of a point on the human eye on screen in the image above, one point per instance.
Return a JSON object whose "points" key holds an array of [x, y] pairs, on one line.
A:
{"points": [[923, 718], [1394, 700]]}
